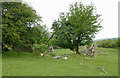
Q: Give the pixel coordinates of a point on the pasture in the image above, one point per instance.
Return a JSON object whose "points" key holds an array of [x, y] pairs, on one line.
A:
{"points": [[27, 64]]}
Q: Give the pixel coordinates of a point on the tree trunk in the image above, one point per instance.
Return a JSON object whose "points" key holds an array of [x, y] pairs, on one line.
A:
{"points": [[77, 46], [46, 43], [77, 49]]}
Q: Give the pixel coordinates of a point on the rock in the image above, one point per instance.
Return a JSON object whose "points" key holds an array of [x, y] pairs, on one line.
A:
{"points": [[86, 58], [84, 54], [80, 63], [102, 69], [41, 54], [51, 49], [56, 57], [65, 58]]}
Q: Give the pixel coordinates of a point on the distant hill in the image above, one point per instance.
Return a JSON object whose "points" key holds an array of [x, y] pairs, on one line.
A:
{"points": [[106, 39]]}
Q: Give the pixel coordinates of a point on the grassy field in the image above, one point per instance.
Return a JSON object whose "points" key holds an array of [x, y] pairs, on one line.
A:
{"points": [[27, 64]]}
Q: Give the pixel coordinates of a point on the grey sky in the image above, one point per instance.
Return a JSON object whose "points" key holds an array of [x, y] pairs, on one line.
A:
{"points": [[50, 9]]}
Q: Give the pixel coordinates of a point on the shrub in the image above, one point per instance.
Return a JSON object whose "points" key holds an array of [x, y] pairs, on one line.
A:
{"points": [[108, 43], [39, 47]]}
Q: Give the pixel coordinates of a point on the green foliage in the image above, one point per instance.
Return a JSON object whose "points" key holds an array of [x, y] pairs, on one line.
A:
{"points": [[53, 42], [76, 27], [118, 42], [21, 25], [39, 47], [108, 43], [52, 54], [9, 48]]}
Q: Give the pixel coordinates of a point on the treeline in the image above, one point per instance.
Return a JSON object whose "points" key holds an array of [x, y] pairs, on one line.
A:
{"points": [[109, 43], [21, 27]]}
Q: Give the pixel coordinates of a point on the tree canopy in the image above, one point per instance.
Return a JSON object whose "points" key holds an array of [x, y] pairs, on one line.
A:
{"points": [[109, 43], [21, 26], [77, 27]]}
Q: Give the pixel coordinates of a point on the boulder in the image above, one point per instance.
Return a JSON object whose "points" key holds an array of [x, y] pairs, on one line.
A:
{"points": [[65, 58], [56, 57]]}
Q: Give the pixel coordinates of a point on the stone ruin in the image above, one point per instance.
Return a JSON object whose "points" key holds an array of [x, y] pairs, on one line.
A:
{"points": [[90, 51], [51, 50]]}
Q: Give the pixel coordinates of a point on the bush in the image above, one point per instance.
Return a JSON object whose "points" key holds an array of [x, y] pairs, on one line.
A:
{"points": [[38, 47], [56, 47], [108, 43]]}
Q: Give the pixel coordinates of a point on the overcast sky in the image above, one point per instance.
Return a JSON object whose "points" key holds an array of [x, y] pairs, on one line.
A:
{"points": [[50, 10]]}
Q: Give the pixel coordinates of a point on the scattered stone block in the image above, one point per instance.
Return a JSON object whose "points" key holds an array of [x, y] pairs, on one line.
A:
{"points": [[41, 54], [86, 58], [56, 57], [65, 58]]}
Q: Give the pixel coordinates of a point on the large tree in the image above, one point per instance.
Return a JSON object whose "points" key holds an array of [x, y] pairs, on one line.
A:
{"points": [[21, 25], [76, 27]]}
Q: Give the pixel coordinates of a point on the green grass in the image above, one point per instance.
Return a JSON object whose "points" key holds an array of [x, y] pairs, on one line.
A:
{"points": [[27, 64], [63, 51]]}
